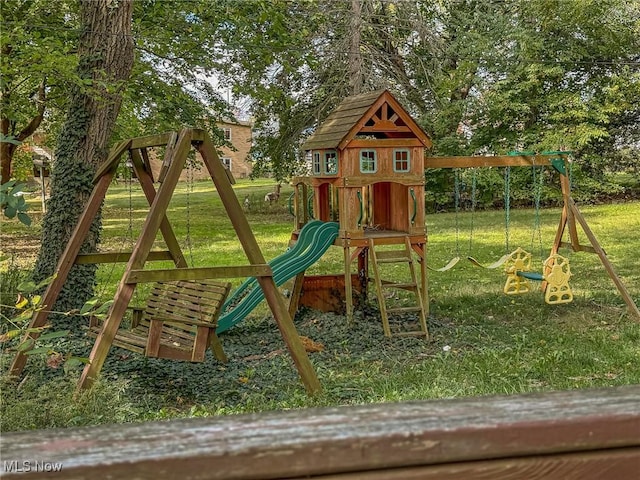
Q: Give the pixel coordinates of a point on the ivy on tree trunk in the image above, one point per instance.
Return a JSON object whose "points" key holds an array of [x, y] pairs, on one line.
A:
{"points": [[105, 61]]}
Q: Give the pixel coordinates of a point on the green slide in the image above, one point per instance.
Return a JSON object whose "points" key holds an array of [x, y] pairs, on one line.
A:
{"points": [[315, 238]]}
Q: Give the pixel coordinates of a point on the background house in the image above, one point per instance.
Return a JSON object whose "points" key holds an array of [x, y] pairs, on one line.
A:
{"points": [[239, 135], [236, 159]]}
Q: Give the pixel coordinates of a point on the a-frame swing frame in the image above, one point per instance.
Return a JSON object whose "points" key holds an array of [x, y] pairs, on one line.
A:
{"points": [[178, 145], [570, 212]]}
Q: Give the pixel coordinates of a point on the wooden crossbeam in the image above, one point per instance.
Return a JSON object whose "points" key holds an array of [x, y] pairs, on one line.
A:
{"points": [[489, 161], [119, 257], [199, 273]]}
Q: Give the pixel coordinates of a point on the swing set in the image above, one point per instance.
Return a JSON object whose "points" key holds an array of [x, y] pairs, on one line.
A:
{"points": [[556, 271], [179, 321]]}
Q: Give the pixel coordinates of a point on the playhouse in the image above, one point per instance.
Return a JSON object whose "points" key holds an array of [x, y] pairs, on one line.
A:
{"points": [[367, 174], [368, 161]]}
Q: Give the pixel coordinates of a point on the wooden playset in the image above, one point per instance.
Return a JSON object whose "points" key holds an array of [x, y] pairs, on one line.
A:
{"points": [[368, 173], [368, 165], [179, 321], [365, 195]]}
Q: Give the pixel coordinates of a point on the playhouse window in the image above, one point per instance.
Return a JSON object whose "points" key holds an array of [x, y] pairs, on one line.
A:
{"points": [[331, 162], [368, 161], [316, 163], [401, 161]]}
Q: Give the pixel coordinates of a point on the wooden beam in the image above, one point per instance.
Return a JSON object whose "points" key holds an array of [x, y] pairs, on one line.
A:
{"points": [[490, 161], [405, 179], [384, 142], [168, 156], [198, 273], [159, 140], [110, 164], [67, 260], [252, 250], [123, 294], [564, 435], [146, 182], [624, 293], [119, 257]]}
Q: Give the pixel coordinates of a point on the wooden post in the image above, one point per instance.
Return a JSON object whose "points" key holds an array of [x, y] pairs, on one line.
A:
{"points": [[296, 291], [123, 295], [424, 286], [254, 255], [146, 182], [348, 288], [626, 296], [571, 213], [70, 253], [571, 221]]}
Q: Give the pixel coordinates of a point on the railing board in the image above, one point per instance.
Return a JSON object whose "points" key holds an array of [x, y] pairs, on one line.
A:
{"points": [[340, 440]]}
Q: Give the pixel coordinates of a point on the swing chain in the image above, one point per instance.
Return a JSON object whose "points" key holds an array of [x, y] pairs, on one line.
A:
{"points": [[457, 207], [537, 181], [130, 188], [507, 205], [474, 203], [190, 180]]}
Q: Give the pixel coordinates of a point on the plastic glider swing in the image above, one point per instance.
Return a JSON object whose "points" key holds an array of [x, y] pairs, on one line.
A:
{"points": [[557, 275], [498, 263], [452, 263]]}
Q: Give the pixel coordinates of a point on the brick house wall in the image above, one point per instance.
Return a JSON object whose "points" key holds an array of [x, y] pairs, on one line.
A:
{"points": [[239, 135]]}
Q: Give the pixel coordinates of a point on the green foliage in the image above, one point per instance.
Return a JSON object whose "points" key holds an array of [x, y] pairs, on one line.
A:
{"points": [[12, 201], [37, 64], [15, 323], [10, 277], [481, 76]]}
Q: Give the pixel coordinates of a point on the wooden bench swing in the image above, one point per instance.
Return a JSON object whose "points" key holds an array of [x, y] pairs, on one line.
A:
{"points": [[178, 323], [180, 317]]}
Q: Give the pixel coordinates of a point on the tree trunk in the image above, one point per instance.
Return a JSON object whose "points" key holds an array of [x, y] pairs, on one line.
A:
{"points": [[6, 155], [356, 75], [105, 60]]}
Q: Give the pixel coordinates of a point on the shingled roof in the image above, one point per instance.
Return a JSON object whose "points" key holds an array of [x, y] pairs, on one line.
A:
{"points": [[350, 116]]}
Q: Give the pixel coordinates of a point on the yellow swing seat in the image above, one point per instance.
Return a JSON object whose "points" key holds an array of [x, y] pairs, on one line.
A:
{"points": [[558, 289]]}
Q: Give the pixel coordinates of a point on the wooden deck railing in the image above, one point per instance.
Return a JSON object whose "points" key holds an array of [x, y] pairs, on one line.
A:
{"points": [[579, 434]]}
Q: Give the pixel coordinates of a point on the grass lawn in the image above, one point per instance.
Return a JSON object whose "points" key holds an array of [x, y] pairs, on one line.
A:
{"points": [[483, 342]]}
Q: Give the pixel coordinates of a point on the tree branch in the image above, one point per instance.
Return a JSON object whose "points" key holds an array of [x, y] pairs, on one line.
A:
{"points": [[35, 121]]}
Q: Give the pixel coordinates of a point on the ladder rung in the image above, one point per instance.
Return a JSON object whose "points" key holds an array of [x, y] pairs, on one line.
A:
{"points": [[392, 253], [393, 260]]}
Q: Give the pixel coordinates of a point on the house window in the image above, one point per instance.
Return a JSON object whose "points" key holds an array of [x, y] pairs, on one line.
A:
{"points": [[227, 134], [368, 161], [316, 163], [331, 162], [401, 161], [226, 161]]}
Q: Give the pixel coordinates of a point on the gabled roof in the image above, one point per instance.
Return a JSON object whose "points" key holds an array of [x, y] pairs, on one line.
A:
{"points": [[366, 114]]}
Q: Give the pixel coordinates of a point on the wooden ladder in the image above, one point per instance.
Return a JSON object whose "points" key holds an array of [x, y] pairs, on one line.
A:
{"points": [[397, 256]]}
